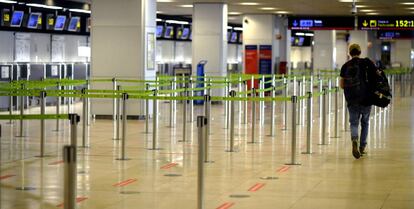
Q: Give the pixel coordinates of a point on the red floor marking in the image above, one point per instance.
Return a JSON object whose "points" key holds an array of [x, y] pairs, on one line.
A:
{"points": [[256, 187], [283, 169], [169, 165], [226, 205], [6, 176], [56, 162], [124, 183], [78, 200]]}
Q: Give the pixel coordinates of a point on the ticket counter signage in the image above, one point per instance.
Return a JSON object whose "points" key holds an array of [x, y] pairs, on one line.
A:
{"points": [[321, 23], [386, 23]]}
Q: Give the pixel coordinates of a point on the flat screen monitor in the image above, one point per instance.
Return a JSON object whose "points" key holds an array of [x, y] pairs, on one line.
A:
{"points": [[33, 20], [179, 33], [233, 38], [185, 34], [168, 32], [73, 24], [17, 19], [160, 29], [60, 22]]}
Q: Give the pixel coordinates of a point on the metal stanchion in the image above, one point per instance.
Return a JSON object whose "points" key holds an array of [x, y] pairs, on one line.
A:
{"points": [[240, 89], [300, 103], [184, 116], [21, 127], [201, 127], [323, 117], [253, 115], [232, 116], [285, 108], [294, 109], [114, 108], [58, 108], [155, 122], [320, 87], [42, 123], [309, 124], [261, 95], [272, 114], [70, 178], [88, 106], [336, 111], [172, 106], [175, 102], [147, 110], [84, 115], [207, 113], [191, 119], [329, 99], [74, 120], [245, 103], [124, 126], [10, 106], [226, 105], [118, 115]]}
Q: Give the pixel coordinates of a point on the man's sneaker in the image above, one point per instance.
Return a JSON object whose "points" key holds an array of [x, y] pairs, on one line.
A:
{"points": [[355, 151], [362, 151]]}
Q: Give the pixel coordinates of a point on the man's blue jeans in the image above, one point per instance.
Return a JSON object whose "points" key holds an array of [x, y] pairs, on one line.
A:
{"points": [[356, 113]]}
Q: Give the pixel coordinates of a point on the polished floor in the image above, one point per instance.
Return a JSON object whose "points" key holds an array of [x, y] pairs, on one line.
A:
{"points": [[256, 176]]}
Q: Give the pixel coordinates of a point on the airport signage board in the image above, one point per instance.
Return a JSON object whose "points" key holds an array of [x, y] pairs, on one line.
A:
{"points": [[321, 23], [386, 23], [389, 35]]}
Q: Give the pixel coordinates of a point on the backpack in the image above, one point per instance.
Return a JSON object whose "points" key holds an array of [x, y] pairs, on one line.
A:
{"points": [[381, 96], [356, 85]]}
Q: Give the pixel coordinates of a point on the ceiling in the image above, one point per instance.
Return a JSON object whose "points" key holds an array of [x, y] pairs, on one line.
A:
{"points": [[295, 7]]}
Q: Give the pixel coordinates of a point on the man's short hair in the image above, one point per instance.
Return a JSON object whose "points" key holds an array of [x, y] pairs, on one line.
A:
{"points": [[354, 50]]}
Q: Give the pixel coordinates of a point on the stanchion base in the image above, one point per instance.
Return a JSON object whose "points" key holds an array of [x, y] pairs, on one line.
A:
{"points": [[269, 178], [155, 149], [293, 164], [334, 137], [182, 141], [208, 161], [123, 159], [24, 188], [21, 136], [231, 151], [254, 142], [115, 139], [307, 153], [322, 144], [42, 156], [270, 135]]}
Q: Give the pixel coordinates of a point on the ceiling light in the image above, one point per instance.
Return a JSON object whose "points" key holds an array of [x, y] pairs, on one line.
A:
{"points": [[309, 34], [238, 28], [8, 2], [186, 5], [367, 10], [282, 12], [159, 20], [249, 3], [361, 6], [299, 34], [347, 1], [177, 22], [162, 1], [373, 13], [235, 13], [229, 27], [268, 8], [159, 12], [43, 6], [80, 11], [408, 3]]}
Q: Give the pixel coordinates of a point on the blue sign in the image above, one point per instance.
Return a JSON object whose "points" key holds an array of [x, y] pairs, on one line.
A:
{"points": [[306, 23]]}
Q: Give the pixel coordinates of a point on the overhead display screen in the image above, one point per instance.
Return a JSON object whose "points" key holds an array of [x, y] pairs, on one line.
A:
{"points": [[321, 23], [186, 33], [17, 19], [60, 22], [33, 20], [386, 23], [73, 24], [387, 35]]}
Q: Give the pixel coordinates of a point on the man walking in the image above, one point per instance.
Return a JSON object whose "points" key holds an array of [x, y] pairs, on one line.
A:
{"points": [[357, 80]]}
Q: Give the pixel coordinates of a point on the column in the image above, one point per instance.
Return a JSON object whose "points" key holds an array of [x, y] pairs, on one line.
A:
{"points": [[324, 50], [401, 52], [123, 46], [210, 39]]}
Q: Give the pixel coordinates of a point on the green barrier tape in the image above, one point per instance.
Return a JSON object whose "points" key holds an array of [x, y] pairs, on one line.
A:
{"points": [[34, 117]]}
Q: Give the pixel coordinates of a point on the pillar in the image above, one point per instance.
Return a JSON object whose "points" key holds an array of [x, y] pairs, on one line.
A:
{"points": [[123, 46], [401, 52], [324, 50], [210, 39]]}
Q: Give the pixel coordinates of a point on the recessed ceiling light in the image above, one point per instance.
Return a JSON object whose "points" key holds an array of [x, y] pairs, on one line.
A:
{"points": [[186, 5], [361, 6], [373, 13], [268, 8], [165, 1], [411, 8], [249, 3], [160, 12], [347, 1], [282, 12], [235, 13], [408, 3], [8, 1], [367, 10]]}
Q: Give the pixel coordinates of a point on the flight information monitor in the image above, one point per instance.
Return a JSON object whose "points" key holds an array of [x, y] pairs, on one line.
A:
{"points": [[73, 24], [60, 22], [160, 29], [169, 32], [17, 19], [386, 23], [33, 20], [185, 34], [321, 23]]}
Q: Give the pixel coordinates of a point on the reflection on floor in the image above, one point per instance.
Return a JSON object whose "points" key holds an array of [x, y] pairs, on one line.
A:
{"points": [[253, 177]]}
